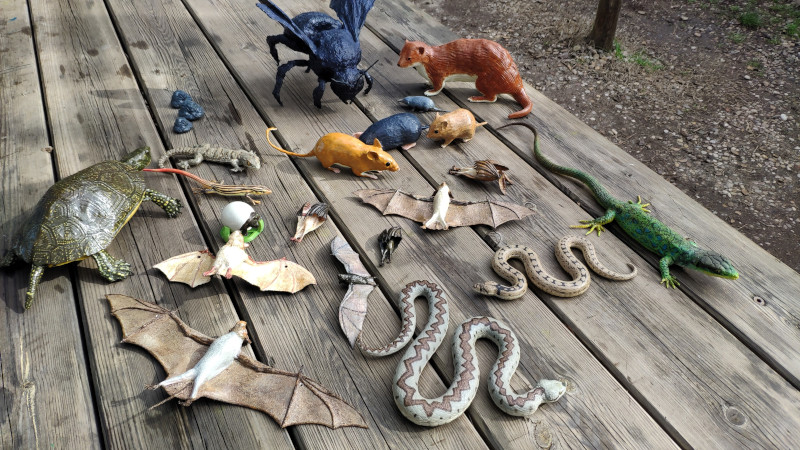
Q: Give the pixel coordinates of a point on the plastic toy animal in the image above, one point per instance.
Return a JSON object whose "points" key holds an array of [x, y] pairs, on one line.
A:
{"points": [[80, 215], [420, 103], [344, 149], [332, 46], [400, 131], [459, 124], [289, 398], [485, 62]]}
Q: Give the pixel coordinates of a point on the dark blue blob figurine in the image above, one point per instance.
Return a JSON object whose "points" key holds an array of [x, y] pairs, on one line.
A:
{"points": [[332, 46], [420, 103], [179, 98], [191, 110], [400, 131], [181, 125]]}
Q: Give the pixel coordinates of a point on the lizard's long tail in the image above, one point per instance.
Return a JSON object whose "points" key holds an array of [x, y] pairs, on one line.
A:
{"points": [[311, 153], [599, 192]]}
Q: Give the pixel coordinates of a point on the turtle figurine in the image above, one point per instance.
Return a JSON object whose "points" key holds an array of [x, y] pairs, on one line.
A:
{"points": [[79, 216]]}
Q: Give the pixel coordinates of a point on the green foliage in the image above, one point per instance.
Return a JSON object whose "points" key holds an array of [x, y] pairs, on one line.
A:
{"points": [[793, 29], [750, 19], [736, 38], [639, 58]]}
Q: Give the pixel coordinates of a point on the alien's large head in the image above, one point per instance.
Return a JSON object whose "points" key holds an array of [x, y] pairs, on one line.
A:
{"points": [[712, 263]]}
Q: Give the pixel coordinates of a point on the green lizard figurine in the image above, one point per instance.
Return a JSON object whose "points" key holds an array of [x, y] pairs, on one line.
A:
{"points": [[644, 228]]}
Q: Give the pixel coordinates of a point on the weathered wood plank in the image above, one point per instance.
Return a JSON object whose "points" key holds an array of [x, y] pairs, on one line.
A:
{"points": [[97, 113], [291, 331], [759, 308], [672, 323], [444, 251], [45, 399]]}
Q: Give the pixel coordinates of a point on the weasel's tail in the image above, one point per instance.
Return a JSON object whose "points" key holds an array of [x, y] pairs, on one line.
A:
{"points": [[599, 192], [527, 105], [286, 151]]}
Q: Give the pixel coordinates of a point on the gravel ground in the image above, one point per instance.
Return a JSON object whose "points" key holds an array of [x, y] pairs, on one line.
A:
{"points": [[705, 92]]}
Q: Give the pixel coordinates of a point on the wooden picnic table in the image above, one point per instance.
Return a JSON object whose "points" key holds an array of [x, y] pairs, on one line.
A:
{"points": [[715, 363]]}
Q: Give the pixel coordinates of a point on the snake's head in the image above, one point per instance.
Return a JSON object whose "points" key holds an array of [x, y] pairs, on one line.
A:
{"points": [[553, 390], [487, 288], [712, 263]]}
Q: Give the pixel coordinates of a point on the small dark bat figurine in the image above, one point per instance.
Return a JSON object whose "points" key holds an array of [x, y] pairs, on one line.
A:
{"points": [[388, 241], [189, 357], [427, 210], [332, 46], [353, 308]]}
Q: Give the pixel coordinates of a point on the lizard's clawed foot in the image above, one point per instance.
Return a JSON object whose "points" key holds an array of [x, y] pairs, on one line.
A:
{"points": [[641, 205], [670, 282], [591, 225]]}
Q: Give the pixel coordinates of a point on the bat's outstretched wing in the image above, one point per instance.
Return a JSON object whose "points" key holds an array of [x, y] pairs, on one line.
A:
{"points": [[279, 275], [352, 13], [459, 214], [289, 398], [188, 268], [353, 308], [282, 18], [489, 212], [394, 201]]}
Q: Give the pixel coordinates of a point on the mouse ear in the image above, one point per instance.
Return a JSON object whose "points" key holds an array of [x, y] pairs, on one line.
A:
{"points": [[372, 155], [377, 143], [444, 124]]}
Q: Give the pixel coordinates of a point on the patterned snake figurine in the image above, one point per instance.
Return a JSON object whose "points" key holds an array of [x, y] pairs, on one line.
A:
{"points": [[459, 395], [543, 280]]}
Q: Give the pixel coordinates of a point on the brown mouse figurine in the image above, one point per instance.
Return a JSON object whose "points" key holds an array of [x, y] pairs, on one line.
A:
{"points": [[458, 124], [485, 62], [344, 149]]}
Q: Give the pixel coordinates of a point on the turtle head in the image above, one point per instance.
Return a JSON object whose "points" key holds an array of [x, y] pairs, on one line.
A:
{"points": [[137, 159]]}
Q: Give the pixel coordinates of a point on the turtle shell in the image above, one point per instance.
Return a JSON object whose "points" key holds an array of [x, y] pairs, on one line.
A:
{"points": [[80, 215]]}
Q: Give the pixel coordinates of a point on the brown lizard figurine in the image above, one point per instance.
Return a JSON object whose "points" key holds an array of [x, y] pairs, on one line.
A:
{"points": [[239, 159], [213, 187]]}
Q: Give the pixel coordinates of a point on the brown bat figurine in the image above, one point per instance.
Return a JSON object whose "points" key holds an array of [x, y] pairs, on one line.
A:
{"points": [[198, 366], [309, 218], [485, 170], [360, 284], [485, 62], [196, 268], [435, 215]]}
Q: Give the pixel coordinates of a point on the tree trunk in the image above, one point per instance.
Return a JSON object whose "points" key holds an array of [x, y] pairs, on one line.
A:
{"points": [[605, 24]]}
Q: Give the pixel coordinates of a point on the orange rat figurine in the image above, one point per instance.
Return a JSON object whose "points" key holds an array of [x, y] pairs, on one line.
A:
{"points": [[458, 124], [346, 150], [485, 62]]}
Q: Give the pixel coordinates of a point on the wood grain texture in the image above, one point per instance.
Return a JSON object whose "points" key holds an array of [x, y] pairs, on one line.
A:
{"points": [[364, 227], [312, 338], [759, 308], [45, 396], [665, 319], [637, 328], [97, 113]]}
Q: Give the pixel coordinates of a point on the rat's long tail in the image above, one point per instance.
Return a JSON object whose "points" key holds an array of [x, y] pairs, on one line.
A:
{"points": [[311, 153]]}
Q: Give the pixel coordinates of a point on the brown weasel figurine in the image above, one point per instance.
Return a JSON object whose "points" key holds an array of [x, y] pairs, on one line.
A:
{"points": [[485, 62]]}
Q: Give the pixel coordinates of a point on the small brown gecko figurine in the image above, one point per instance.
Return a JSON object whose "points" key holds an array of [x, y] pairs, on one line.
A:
{"points": [[485, 62]]}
